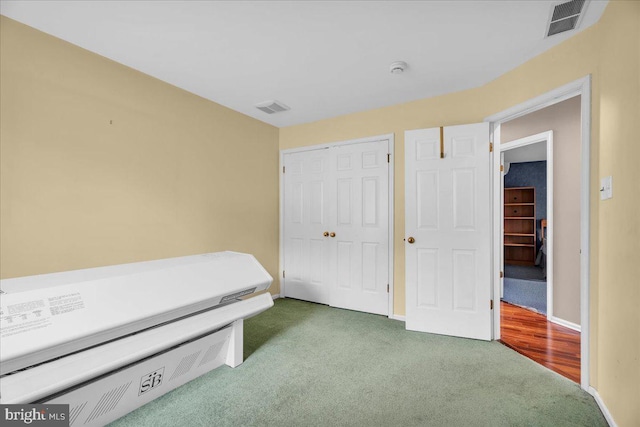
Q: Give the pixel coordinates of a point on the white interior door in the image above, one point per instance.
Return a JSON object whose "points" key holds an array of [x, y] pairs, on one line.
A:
{"points": [[361, 227], [448, 263], [336, 226], [307, 205]]}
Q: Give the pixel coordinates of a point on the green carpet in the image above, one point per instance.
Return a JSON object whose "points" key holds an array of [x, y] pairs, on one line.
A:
{"points": [[312, 365]]}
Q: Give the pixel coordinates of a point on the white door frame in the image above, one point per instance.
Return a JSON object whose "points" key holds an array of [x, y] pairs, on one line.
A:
{"points": [[390, 138], [580, 87], [522, 142]]}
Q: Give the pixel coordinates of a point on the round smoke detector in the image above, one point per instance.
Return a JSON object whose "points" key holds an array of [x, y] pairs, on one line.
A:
{"points": [[398, 67]]}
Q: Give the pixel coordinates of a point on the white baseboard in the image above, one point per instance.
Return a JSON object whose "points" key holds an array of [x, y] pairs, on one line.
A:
{"points": [[397, 317], [603, 407], [565, 323], [275, 296]]}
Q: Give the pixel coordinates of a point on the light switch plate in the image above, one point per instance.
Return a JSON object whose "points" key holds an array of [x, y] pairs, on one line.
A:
{"points": [[606, 188]]}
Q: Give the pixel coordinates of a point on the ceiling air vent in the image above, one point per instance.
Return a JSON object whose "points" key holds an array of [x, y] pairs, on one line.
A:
{"points": [[272, 107], [566, 16]]}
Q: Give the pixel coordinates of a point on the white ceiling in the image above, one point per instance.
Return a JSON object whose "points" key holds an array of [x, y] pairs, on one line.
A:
{"points": [[529, 153], [321, 58]]}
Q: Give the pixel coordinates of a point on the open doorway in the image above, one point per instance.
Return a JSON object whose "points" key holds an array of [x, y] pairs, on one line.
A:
{"points": [[526, 189], [544, 249], [527, 257]]}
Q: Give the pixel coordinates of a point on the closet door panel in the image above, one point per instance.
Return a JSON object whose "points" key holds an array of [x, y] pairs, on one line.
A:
{"points": [[307, 215]]}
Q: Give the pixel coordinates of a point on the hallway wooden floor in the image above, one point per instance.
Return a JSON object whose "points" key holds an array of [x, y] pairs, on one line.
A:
{"points": [[551, 345]]}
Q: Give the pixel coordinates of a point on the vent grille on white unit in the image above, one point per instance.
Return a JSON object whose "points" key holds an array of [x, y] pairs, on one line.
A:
{"points": [[107, 402], [566, 16], [185, 365], [271, 107], [74, 412], [211, 353]]}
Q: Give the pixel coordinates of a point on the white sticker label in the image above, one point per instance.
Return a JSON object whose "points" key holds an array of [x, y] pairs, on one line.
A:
{"points": [[20, 326], [24, 308], [23, 317], [62, 304]]}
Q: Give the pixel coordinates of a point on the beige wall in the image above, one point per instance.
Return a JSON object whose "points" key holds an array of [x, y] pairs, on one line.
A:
{"points": [[618, 350], [102, 165], [564, 120], [610, 52], [175, 174]]}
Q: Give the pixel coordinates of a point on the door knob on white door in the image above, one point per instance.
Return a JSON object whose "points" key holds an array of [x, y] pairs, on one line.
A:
{"points": [[332, 234], [325, 234], [411, 240]]}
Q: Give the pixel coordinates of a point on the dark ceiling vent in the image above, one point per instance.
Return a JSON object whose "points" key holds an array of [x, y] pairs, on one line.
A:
{"points": [[566, 16], [272, 107]]}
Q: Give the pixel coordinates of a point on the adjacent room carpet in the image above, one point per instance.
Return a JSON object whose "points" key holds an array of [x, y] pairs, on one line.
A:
{"points": [[525, 286], [312, 365], [524, 272], [530, 294]]}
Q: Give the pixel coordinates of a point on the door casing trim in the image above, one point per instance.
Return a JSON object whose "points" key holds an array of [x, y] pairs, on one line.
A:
{"points": [[580, 87], [547, 139]]}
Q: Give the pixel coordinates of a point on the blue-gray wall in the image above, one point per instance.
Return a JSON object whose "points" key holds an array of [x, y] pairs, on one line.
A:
{"points": [[531, 174]]}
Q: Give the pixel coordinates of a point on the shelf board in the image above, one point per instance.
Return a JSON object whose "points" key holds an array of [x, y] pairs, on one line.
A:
{"points": [[520, 245], [519, 204], [518, 262], [519, 217], [519, 234]]}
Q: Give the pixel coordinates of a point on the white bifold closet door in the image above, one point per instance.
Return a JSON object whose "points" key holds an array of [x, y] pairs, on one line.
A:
{"points": [[307, 201], [336, 232], [448, 231]]}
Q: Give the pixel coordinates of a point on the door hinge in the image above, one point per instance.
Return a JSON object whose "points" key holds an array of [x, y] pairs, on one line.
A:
{"points": [[388, 157], [491, 304], [283, 169], [501, 274], [491, 147], [387, 288], [283, 274], [501, 168]]}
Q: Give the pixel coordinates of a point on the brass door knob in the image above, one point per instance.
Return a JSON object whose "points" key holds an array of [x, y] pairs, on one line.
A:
{"points": [[325, 234], [332, 234], [411, 240]]}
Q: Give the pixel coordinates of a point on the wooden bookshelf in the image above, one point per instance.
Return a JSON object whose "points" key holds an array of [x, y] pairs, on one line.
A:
{"points": [[520, 225]]}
